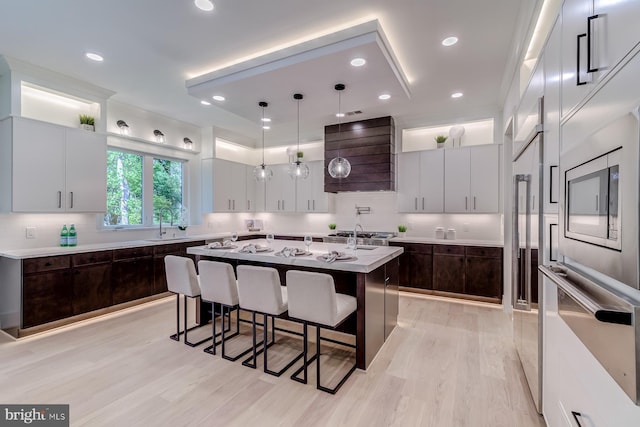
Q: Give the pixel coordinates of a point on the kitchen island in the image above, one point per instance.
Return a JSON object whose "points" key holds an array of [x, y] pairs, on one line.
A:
{"points": [[372, 278]]}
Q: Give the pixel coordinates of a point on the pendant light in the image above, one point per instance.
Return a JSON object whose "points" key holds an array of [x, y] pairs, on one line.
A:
{"points": [[339, 167], [298, 169], [261, 172]]}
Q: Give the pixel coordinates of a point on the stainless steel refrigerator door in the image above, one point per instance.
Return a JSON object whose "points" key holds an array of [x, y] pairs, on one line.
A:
{"points": [[527, 216]]}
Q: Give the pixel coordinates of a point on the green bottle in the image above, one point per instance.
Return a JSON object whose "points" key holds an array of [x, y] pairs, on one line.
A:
{"points": [[64, 236], [73, 236]]}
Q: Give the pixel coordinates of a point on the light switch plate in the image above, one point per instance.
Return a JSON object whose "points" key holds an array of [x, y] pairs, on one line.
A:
{"points": [[30, 232]]}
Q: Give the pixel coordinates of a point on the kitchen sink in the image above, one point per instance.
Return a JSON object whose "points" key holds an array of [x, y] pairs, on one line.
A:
{"points": [[367, 248]]}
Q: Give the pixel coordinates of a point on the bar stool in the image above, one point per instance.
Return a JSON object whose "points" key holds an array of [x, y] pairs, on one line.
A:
{"points": [[313, 301], [260, 292], [218, 286], [182, 280]]}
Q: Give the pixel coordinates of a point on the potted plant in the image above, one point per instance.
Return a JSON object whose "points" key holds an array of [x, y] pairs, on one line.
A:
{"points": [[87, 122], [299, 155], [332, 226], [440, 140], [402, 230]]}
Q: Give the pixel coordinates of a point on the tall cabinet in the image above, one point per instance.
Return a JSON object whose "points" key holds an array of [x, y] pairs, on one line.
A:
{"points": [[51, 168]]}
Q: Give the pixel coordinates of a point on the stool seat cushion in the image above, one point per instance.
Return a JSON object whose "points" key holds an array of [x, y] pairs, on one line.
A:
{"points": [[218, 283], [313, 297], [259, 290], [181, 276]]}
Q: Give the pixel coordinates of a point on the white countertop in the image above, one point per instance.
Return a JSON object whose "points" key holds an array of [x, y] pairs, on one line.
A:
{"points": [[58, 250], [367, 260], [434, 241]]}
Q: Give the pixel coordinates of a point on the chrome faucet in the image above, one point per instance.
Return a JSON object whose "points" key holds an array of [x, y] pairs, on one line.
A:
{"points": [[161, 214], [355, 231]]}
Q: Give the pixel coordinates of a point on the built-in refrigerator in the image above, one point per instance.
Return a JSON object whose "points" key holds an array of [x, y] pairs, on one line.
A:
{"points": [[527, 254]]}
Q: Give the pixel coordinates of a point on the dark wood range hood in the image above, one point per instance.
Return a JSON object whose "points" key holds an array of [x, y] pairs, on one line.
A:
{"points": [[369, 145]]}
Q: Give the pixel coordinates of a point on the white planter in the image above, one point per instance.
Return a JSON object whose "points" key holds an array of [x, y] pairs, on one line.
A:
{"points": [[402, 234], [91, 128]]}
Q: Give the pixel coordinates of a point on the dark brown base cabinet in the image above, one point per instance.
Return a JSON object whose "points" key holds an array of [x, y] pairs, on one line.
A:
{"points": [[467, 270], [58, 287]]}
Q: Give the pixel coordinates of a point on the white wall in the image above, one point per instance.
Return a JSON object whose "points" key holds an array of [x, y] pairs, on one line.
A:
{"points": [[476, 133]]}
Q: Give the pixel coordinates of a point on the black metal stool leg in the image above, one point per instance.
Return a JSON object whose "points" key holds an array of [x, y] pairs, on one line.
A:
{"points": [[176, 336]]}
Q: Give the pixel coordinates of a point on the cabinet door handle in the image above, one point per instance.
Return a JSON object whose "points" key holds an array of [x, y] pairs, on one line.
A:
{"points": [[278, 204], [597, 204], [474, 203], [71, 199], [423, 203], [248, 205], [466, 203], [313, 204], [415, 202], [575, 417], [308, 204], [59, 199], [234, 204], [283, 205], [590, 69], [229, 204], [578, 82]]}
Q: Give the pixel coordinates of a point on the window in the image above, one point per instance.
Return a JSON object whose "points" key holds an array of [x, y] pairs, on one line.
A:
{"points": [[124, 189], [167, 190], [141, 187]]}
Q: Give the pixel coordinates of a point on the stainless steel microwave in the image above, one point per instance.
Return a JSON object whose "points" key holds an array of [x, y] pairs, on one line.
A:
{"points": [[593, 202]]}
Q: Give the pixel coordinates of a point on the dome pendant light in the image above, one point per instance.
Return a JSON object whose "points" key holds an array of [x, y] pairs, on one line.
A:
{"points": [[339, 167], [298, 169], [262, 172]]}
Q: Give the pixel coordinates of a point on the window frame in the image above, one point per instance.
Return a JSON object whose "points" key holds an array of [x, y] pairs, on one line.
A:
{"points": [[148, 212]]}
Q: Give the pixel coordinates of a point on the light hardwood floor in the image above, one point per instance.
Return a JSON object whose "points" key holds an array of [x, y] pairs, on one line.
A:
{"points": [[447, 364]]}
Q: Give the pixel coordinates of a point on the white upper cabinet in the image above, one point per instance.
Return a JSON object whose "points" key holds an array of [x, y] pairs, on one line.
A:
{"points": [[281, 190], [53, 168], [472, 179], [229, 186], [310, 195], [421, 181], [596, 36]]}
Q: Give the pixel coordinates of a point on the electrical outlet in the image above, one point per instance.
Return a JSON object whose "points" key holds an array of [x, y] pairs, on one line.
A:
{"points": [[30, 232]]}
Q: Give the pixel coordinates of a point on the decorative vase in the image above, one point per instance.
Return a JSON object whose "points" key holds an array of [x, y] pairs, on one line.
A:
{"points": [[91, 128], [402, 234], [440, 144]]}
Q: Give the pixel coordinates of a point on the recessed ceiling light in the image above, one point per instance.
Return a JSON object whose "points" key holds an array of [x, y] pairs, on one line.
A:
{"points": [[358, 62], [205, 5], [218, 98], [384, 96], [456, 95], [450, 41], [339, 114], [266, 127], [94, 56], [203, 102], [265, 119]]}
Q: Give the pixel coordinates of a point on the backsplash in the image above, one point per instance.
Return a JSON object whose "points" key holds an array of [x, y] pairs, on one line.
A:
{"points": [[383, 217]]}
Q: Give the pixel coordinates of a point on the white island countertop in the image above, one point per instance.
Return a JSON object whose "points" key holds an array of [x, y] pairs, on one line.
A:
{"points": [[367, 259]]}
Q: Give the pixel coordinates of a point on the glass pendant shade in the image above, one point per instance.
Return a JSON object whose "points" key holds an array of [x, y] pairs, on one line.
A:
{"points": [[262, 173], [298, 170], [339, 167]]}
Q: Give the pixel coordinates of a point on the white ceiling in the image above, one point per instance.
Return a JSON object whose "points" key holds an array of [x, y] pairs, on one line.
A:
{"points": [[152, 48]]}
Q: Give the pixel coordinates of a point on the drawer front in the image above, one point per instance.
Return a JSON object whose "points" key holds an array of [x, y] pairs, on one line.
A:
{"points": [[34, 265], [92, 258], [448, 249], [484, 251], [419, 248], [171, 248], [133, 252]]}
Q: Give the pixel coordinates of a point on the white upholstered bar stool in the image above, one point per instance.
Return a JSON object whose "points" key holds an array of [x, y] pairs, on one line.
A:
{"points": [[219, 286], [313, 301], [182, 279], [260, 292]]}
